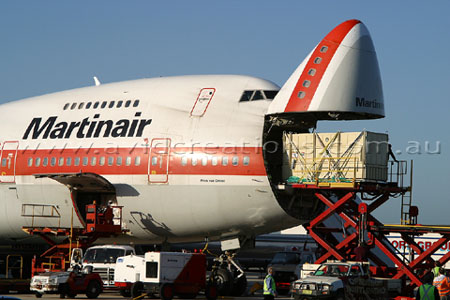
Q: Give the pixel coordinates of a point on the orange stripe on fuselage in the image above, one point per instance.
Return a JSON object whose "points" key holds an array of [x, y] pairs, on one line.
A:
{"points": [[254, 154]]}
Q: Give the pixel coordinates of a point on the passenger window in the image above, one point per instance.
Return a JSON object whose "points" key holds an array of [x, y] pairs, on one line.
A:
{"points": [[53, 161], [88, 105], [324, 49], [184, 160], [318, 60], [4, 162], [137, 161], [73, 106], [214, 161], [93, 161], [128, 161], [225, 161], [101, 161], [85, 161], [76, 161], [103, 104], [204, 161], [61, 161], [96, 104], [301, 95], [246, 160], [312, 72], [30, 162], [66, 106], [306, 83], [235, 161], [127, 104], [194, 161], [119, 103], [136, 103], [69, 161], [37, 162], [80, 106], [110, 160], [119, 160], [154, 160], [111, 104], [45, 161]]}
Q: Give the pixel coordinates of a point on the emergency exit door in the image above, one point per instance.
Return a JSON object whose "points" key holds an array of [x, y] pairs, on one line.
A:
{"points": [[159, 160], [202, 102], [8, 162]]}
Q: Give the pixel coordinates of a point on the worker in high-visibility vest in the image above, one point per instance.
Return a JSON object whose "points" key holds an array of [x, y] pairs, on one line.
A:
{"points": [[427, 291], [442, 283], [437, 267], [270, 288]]}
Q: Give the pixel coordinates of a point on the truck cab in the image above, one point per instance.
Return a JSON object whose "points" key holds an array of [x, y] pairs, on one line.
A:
{"points": [[102, 260]]}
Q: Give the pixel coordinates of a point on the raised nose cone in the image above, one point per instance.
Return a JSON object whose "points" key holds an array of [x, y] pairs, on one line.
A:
{"points": [[340, 79]]}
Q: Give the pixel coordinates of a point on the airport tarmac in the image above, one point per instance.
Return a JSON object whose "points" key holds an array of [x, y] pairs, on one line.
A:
{"points": [[252, 278]]}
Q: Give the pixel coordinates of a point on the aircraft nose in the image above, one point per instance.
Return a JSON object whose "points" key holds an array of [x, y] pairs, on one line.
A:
{"points": [[352, 34]]}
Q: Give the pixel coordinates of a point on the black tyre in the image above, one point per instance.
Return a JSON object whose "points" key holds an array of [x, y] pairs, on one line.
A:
{"points": [[166, 291], [340, 295], [93, 289], [240, 286], [62, 290], [38, 295], [125, 293], [137, 289], [211, 292], [224, 281]]}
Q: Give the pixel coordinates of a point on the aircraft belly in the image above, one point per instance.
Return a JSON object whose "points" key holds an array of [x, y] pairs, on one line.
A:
{"points": [[206, 209]]}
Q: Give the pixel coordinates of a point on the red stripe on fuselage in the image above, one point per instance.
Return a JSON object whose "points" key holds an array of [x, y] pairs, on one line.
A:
{"points": [[332, 42], [177, 165]]}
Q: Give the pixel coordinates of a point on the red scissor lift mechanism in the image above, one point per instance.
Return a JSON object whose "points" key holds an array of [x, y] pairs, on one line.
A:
{"points": [[100, 222], [358, 221]]}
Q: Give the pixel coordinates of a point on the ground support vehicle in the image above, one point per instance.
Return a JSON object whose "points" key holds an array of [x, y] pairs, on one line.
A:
{"points": [[286, 266], [164, 273], [68, 283], [345, 280]]}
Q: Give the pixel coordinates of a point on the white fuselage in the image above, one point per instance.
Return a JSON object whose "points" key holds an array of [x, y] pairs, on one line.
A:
{"points": [[186, 159]]}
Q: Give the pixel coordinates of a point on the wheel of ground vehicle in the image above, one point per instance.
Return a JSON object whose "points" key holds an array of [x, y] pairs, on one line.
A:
{"points": [[224, 281], [239, 286], [137, 289], [93, 289], [166, 291], [125, 293], [38, 295], [211, 292]]}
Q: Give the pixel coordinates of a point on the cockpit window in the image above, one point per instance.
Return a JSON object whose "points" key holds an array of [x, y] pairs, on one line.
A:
{"points": [[246, 96], [257, 95], [270, 94]]}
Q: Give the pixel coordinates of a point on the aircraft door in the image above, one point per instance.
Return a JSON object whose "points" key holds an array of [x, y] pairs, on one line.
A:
{"points": [[8, 162], [158, 163], [202, 102]]}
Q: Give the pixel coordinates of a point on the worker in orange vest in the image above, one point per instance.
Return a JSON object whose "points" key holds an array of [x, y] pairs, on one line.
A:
{"points": [[442, 283]]}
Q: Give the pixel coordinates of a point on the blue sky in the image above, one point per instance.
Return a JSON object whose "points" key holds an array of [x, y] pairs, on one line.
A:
{"points": [[48, 46]]}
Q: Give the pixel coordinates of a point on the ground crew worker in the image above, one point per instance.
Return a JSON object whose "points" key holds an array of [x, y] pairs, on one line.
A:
{"points": [[270, 288], [436, 268], [442, 283], [428, 291]]}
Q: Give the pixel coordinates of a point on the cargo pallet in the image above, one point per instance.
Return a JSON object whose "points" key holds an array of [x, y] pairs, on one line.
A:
{"points": [[100, 222], [362, 229]]}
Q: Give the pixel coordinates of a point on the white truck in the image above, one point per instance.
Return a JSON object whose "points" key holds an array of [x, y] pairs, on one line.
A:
{"points": [[344, 280], [102, 260], [164, 273]]}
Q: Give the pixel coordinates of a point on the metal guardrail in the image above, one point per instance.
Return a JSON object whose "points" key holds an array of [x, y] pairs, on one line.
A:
{"points": [[40, 211]]}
